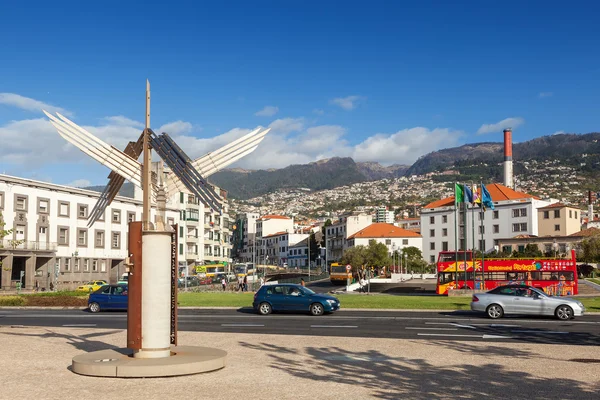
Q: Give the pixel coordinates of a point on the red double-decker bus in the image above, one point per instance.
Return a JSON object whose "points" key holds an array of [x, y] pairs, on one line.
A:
{"points": [[555, 276]]}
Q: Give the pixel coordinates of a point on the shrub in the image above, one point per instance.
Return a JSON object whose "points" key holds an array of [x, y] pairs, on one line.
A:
{"points": [[12, 301], [56, 301]]}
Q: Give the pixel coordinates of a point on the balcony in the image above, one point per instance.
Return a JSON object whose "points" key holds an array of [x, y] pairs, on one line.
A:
{"points": [[9, 244], [191, 239], [191, 255]]}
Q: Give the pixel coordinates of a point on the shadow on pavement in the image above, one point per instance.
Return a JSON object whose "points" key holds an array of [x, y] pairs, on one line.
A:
{"points": [[84, 342], [398, 377]]}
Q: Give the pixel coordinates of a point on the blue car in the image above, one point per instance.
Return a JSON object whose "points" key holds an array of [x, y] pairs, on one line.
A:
{"points": [[108, 297], [290, 297]]}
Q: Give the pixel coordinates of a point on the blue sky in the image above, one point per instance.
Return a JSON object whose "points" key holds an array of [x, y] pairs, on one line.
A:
{"points": [[378, 81]]}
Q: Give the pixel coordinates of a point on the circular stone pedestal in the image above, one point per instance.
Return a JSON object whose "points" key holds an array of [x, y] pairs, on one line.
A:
{"points": [[119, 363]]}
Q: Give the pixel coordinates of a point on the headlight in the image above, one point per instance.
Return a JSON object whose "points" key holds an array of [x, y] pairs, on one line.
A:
{"points": [[580, 304], [331, 301]]}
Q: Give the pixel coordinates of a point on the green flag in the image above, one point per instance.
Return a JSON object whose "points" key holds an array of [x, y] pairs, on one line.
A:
{"points": [[459, 194]]}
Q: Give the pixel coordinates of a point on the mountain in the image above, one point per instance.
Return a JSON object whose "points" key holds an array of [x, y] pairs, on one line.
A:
{"points": [[374, 171], [566, 148], [319, 175]]}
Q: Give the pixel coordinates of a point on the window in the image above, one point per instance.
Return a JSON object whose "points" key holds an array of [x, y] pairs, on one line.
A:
{"points": [[516, 227], [444, 246], [570, 213], [116, 216], [496, 228], [94, 265], [99, 241], [431, 259], [519, 212], [495, 216], [482, 245], [575, 214], [21, 203], [76, 269], [82, 211], [102, 265], [63, 209], [86, 265], [82, 237], [444, 219], [432, 233], [131, 217], [43, 230], [556, 228], [432, 246], [43, 206], [388, 241], [444, 231], [556, 213], [116, 240], [404, 241], [524, 227], [181, 246], [67, 264], [523, 212], [63, 236], [482, 230], [432, 220], [546, 214], [507, 249], [481, 215]]}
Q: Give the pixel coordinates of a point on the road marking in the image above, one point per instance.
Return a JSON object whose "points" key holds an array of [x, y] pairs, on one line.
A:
{"points": [[334, 326], [243, 325], [463, 326], [80, 325], [432, 329], [504, 326], [446, 335], [543, 332], [496, 337]]}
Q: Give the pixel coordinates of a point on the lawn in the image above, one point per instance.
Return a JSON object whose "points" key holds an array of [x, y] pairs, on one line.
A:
{"points": [[595, 280]]}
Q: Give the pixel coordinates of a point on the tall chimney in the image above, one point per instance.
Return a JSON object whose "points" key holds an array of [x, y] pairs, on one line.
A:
{"points": [[590, 207], [508, 164]]}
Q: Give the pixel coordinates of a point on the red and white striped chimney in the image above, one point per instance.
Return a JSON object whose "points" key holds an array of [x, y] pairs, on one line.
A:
{"points": [[508, 164]]}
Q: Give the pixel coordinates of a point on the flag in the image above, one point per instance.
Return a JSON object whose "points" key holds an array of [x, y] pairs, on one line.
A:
{"points": [[468, 197], [486, 198], [476, 197], [459, 194]]}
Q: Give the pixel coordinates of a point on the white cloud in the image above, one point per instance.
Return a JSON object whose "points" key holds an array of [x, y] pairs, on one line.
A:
{"points": [[79, 183], [29, 104], [268, 111], [512, 122], [545, 94], [124, 121], [177, 128], [347, 103], [318, 111], [287, 125]]}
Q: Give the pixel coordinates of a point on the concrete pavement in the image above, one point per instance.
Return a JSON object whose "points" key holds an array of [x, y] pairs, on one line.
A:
{"points": [[35, 364]]}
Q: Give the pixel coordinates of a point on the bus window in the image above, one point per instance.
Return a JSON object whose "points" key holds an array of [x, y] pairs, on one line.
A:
{"points": [[451, 257]]}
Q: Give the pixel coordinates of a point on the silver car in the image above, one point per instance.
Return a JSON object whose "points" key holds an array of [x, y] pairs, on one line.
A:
{"points": [[522, 299]]}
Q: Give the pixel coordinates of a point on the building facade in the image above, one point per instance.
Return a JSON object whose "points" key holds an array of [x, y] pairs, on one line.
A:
{"points": [[336, 235], [395, 238], [51, 241], [515, 213], [558, 220], [382, 214]]}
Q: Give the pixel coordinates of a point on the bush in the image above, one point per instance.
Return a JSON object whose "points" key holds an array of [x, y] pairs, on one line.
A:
{"points": [[60, 293], [12, 301], [56, 301]]}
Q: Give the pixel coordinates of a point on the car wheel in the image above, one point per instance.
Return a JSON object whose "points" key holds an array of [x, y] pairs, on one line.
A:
{"points": [[317, 309], [494, 311], [564, 312], [94, 307], [264, 308]]}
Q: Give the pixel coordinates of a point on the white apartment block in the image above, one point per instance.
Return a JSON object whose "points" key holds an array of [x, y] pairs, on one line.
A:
{"points": [[336, 234], [515, 214], [51, 241], [383, 215], [269, 225], [275, 247]]}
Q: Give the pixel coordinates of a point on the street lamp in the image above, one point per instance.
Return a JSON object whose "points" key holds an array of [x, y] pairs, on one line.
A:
{"points": [[394, 248], [406, 262]]}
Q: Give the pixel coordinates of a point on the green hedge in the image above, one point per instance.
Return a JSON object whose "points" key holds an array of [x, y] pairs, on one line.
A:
{"points": [[11, 301]]}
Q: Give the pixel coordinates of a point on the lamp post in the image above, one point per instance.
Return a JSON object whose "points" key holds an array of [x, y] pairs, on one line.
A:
{"points": [[394, 248], [406, 262]]}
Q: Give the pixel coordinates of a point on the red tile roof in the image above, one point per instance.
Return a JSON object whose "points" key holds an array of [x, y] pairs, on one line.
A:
{"points": [[587, 232], [275, 234], [266, 217], [556, 205], [383, 230], [497, 192]]}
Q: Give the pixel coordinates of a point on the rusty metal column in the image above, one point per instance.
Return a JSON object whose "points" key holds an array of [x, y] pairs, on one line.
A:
{"points": [[146, 166]]}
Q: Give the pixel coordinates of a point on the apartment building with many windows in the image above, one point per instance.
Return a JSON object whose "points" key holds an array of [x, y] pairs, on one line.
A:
{"points": [[515, 213], [336, 235]]}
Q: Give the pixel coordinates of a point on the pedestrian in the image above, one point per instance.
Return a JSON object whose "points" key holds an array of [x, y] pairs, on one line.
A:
{"points": [[302, 282], [240, 284], [245, 283], [224, 283]]}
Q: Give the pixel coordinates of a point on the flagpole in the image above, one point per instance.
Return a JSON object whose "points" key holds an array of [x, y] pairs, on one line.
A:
{"points": [[455, 234], [466, 241], [483, 252], [473, 232]]}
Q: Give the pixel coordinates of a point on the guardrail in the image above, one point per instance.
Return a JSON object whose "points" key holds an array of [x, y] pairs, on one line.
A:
{"points": [[27, 245]]}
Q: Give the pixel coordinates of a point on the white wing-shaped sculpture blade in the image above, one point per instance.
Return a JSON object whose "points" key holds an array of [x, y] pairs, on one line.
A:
{"points": [[100, 151]]}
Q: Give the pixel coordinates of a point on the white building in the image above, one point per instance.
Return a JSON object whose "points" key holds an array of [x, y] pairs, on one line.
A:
{"points": [[412, 224], [276, 245], [51, 241], [393, 237], [383, 215], [515, 214], [336, 234]]}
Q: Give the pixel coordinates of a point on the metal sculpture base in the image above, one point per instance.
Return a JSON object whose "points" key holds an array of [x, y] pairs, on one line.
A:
{"points": [[119, 363]]}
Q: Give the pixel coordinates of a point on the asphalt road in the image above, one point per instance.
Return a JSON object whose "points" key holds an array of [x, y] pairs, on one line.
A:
{"points": [[446, 326]]}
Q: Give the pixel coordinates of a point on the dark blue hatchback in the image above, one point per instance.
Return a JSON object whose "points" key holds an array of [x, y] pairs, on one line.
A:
{"points": [[108, 297], [290, 297]]}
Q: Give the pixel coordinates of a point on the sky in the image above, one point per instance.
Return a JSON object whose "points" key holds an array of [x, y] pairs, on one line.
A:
{"points": [[382, 81]]}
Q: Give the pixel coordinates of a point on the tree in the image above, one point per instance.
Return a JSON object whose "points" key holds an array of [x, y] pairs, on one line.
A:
{"points": [[377, 254], [589, 250], [325, 225], [314, 248], [412, 259], [530, 251], [3, 232], [355, 256]]}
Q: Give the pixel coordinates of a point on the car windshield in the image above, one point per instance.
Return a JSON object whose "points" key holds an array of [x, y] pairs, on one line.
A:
{"points": [[306, 290], [539, 292]]}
